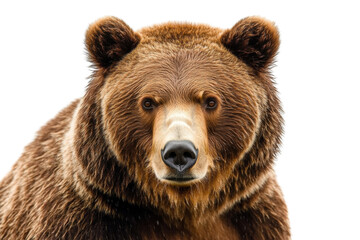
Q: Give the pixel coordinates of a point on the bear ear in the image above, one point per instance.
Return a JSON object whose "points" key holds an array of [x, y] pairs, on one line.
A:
{"points": [[254, 40], [108, 40]]}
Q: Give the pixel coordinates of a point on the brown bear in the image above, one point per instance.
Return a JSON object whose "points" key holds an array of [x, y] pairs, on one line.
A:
{"points": [[175, 138]]}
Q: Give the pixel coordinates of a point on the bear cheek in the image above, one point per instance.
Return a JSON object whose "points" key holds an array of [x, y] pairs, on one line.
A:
{"points": [[237, 127], [124, 129], [176, 123]]}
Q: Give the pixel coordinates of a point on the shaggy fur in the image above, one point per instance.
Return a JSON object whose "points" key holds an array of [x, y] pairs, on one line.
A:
{"points": [[91, 171]]}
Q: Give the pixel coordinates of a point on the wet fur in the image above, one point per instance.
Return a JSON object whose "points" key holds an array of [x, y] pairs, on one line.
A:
{"points": [[87, 176]]}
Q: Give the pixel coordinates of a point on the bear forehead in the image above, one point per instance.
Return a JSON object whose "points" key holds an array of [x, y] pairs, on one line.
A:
{"points": [[166, 69], [182, 51], [181, 58], [179, 51]]}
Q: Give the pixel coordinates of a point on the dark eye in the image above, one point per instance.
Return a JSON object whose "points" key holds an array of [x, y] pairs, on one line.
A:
{"points": [[210, 103], [148, 104]]}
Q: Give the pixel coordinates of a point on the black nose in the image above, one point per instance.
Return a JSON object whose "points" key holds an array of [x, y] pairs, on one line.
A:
{"points": [[179, 155]]}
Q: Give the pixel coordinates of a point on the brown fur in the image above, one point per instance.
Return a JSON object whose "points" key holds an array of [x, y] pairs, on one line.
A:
{"points": [[91, 173]]}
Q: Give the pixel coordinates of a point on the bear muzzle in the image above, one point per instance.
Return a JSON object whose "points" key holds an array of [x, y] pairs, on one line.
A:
{"points": [[179, 146]]}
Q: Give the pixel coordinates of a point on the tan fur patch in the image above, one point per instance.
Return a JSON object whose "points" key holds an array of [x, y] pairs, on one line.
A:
{"points": [[180, 122]]}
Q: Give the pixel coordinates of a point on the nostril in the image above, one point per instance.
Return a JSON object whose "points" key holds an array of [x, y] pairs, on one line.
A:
{"points": [[179, 155]]}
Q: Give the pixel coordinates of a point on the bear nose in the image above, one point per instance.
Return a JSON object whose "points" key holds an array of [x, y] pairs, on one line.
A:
{"points": [[179, 155]]}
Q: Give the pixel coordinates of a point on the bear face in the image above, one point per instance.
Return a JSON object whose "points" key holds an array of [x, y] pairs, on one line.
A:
{"points": [[201, 92], [179, 88]]}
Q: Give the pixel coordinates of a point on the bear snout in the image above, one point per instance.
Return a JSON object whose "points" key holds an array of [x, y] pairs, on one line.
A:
{"points": [[179, 153]]}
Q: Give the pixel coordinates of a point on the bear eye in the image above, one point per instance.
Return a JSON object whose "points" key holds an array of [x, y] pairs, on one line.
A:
{"points": [[210, 103], [148, 104]]}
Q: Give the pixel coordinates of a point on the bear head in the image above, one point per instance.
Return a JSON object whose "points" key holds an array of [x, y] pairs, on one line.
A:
{"points": [[183, 118]]}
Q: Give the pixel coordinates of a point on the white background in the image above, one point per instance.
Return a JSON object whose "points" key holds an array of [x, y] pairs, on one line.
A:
{"points": [[43, 68]]}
